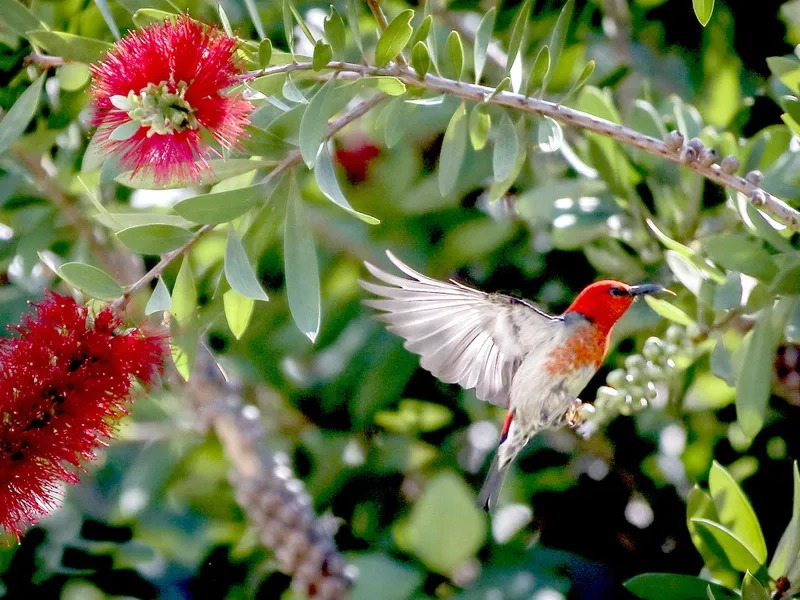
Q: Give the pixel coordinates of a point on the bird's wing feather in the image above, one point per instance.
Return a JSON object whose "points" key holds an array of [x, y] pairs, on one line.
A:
{"points": [[462, 335]]}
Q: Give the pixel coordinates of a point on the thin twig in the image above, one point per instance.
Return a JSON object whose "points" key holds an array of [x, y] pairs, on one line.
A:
{"points": [[568, 116], [292, 159], [383, 23], [44, 60]]}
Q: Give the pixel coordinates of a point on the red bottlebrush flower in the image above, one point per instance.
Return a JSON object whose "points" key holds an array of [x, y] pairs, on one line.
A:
{"points": [[355, 159], [65, 379], [159, 88]]}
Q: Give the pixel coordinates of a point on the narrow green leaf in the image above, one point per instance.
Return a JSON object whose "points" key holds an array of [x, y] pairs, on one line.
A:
{"points": [[252, 10], [754, 381], [154, 239], [517, 33], [149, 16], [420, 59], [314, 124], [125, 131], [739, 252], [549, 135], [539, 70], [421, 34], [669, 586], [499, 188], [685, 271], [703, 10], [557, 39], [325, 175], [668, 311], [118, 221], [288, 26], [302, 270], [160, 300], [183, 333], [238, 310], [323, 53], [220, 207], [752, 589], [454, 147], [587, 71], [95, 282], [735, 511], [302, 23], [391, 86], [483, 37], [395, 38], [455, 52], [721, 364], [352, 19], [223, 19], [480, 125], [20, 114], [788, 550], [699, 505], [506, 147], [787, 70], [69, 46], [264, 53], [108, 17], [335, 32], [18, 18], [735, 550], [238, 271]]}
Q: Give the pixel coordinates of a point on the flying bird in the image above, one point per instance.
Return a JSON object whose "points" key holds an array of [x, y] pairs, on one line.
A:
{"points": [[510, 352]]}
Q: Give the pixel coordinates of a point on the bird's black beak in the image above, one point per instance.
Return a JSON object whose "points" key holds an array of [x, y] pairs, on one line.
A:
{"points": [[648, 288]]}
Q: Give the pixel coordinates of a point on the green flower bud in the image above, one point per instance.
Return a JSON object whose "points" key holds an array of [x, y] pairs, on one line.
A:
{"points": [[653, 348], [634, 361], [654, 372], [616, 378], [675, 333], [650, 392]]}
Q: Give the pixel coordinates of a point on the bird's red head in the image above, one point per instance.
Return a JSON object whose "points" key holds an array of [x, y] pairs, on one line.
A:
{"points": [[604, 302]]}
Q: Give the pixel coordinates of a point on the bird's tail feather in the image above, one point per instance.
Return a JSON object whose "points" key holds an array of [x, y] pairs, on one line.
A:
{"points": [[490, 492]]}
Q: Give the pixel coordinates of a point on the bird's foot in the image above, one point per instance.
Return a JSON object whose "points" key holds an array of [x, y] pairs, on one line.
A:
{"points": [[577, 413]]}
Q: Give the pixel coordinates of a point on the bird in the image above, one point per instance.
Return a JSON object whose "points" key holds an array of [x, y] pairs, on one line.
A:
{"points": [[510, 352]]}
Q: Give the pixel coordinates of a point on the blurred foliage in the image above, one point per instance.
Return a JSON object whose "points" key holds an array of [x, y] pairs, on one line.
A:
{"points": [[515, 203]]}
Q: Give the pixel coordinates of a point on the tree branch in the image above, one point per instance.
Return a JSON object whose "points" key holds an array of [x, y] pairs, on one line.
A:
{"points": [[568, 116]]}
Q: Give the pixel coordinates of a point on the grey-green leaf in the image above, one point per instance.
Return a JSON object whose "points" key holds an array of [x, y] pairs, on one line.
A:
{"points": [[506, 147], [483, 37], [754, 380], [323, 53], [395, 38], [302, 270], [160, 299], [314, 124], [219, 207], [335, 32], [154, 239], [558, 38], [549, 135], [788, 550], [518, 32], [93, 281], [539, 70], [455, 51], [454, 146], [238, 271], [264, 53], [20, 114], [69, 46], [325, 175]]}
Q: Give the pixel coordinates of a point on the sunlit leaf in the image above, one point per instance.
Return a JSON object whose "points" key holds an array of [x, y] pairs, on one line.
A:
{"points": [[669, 586], [238, 310], [752, 589], [737, 553], [420, 59], [394, 39], [558, 38], [480, 125], [335, 31], [703, 10], [788, 550], [668, 311], [455, 51]]}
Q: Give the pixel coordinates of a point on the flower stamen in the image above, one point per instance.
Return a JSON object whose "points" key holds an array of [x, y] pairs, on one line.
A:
{"points": [[161, 111]]}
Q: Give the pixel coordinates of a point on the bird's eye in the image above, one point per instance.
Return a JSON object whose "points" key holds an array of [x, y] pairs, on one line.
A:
{"points": [[615, 291]]}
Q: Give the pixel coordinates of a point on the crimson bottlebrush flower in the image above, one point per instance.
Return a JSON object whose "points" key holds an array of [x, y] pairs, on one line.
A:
{"points": [[159, 96], [65, 379], [355, 158]]}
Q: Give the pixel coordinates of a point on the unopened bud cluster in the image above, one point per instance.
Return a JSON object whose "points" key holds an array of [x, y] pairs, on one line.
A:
{"points": [[631, 388]]}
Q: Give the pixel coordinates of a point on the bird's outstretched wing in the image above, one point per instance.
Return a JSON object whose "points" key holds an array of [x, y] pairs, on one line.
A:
{"points": [[462, 335]]}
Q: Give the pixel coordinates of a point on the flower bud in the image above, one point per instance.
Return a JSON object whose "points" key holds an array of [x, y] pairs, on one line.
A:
{"points": [[730, 164], [634, 361], [755, 177], [674, 140], [653, 348], [616, 378], [675, 333]]}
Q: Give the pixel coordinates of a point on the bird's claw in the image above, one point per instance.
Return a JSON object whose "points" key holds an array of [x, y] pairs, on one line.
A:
{"points": [[577, 413]]}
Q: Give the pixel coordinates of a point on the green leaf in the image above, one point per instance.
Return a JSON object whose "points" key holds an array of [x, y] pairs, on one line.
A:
{"points": [[108, 17], [323, 53], [735, 511], [506, 147], [455, 52], [69, 46], [685, 271], [160, 300], [264, 53], [95, 282], [300, 21], [314, 124], [20, 114], [414, 416], [788, 550], [421, 34], [73, 77], [735, 551], [787, 70], [154, 239], [557, 39], [752, 589], [288, 26], [149, 16], [699, 505], [302, 270], [454, 146], [499, 188], [754, 381], [539, 70], [183, 334], [518, 29], [238, 271], [587, 71], [238, 310], [480, 125], [721, 364], [668, 311], [549, 135], [117, 221], [125, 131], [18, 18], [703, 10], [669, 586], [445, 527], [483, 37], [420, 59], [226, 23], [352, 19], [394, 39], [737, 252], [335, 32], [219, 207], [325, 175], [390, 86], [380, 576], [252, 10]]}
